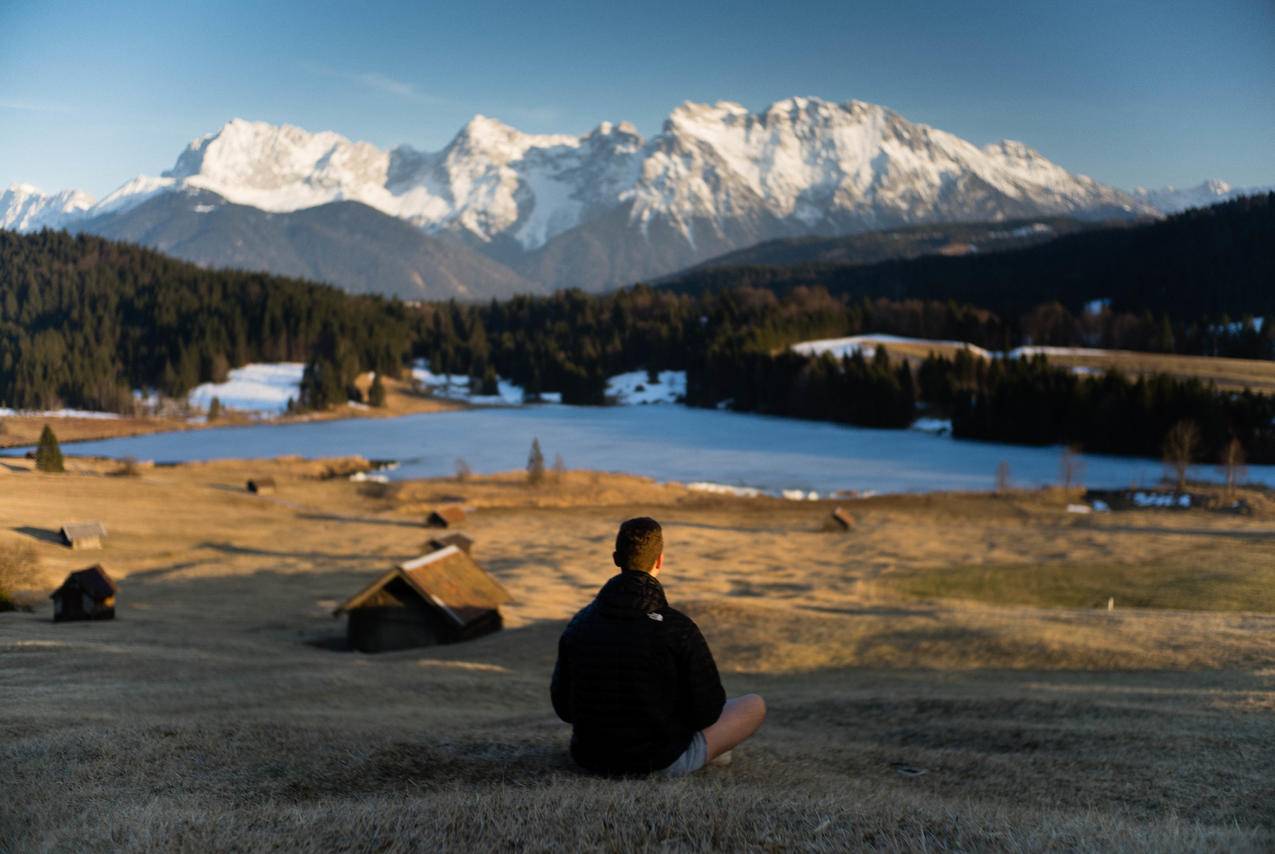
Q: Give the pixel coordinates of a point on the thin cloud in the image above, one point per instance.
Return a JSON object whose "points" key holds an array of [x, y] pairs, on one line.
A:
{"points": [[375, 81], [33, 106]]}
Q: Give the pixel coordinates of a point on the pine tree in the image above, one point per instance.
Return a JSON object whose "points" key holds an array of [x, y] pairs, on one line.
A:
{"points": [[48, 454], [376, 394], [214, 409], [535, 464]]}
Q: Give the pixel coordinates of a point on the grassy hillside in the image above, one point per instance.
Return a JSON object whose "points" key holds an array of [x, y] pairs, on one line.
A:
{"points": [[218, 711]]}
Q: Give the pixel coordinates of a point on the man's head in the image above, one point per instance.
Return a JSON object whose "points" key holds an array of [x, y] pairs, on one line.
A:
{"points": [[639, 546]]}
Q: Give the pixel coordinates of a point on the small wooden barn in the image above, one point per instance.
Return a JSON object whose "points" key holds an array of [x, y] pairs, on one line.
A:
{"points": [[441, 597], [261, 486], [841, 520], [83, 535], [460, 541], [87, 594], [445, 517]]}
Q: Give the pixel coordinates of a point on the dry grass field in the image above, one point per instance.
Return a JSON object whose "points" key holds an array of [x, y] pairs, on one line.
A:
{"points": [[1232, 374], [218, 711]]}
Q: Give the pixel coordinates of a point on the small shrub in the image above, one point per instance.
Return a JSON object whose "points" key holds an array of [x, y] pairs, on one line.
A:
{"points": [[559, 468], [214, 409], [535, 464], [129, 467], [463, 471], [18, 563], [48, 454]]}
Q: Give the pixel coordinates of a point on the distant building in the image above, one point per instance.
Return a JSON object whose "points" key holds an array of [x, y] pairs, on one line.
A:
{"points": [[261, 486], [442, 597], [445, 517], [83, 535], [88, 594], [460, 541]]}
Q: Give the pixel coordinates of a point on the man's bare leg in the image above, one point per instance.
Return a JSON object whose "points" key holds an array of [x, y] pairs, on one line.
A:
{"points": [[740, 718]]}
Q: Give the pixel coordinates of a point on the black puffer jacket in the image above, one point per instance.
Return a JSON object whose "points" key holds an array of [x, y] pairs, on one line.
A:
{"points": [[635, 678]]}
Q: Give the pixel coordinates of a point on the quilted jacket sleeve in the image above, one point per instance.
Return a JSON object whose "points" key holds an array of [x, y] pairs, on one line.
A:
{"points": [[560, 685], [700, 685]]}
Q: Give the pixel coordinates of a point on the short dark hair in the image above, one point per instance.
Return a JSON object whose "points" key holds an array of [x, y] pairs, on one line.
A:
{"points": [[638, 544]]}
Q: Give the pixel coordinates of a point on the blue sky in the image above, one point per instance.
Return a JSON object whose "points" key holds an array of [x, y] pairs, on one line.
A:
{"points": [[1130, 93]]}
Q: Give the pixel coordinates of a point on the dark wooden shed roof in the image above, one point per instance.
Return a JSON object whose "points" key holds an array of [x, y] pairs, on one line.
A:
{"points": [[460, 541], [449, 580], [445, 517], [261, 485], [94, 581]]}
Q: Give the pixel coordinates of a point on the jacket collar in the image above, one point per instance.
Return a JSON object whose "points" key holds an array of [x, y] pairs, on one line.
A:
{"points": [[632, 592]]}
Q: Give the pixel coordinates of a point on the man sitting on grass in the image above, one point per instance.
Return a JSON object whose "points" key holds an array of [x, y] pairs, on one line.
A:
{"points": [[636, 680]]}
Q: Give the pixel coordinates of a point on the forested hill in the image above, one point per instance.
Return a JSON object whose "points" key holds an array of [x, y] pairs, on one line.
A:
{"points": [[1201, 263], [892, 244], [84, 320]]}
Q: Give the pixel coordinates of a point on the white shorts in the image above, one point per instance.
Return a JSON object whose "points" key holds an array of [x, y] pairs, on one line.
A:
{"points": [[693, 758]]}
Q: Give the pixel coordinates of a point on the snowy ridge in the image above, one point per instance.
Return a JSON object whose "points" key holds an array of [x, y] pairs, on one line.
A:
{"points": [[1171, 200], [800, 165]]}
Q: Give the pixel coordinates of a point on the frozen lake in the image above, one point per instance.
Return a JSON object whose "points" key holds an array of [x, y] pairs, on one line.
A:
{"points": [[666, 442]]}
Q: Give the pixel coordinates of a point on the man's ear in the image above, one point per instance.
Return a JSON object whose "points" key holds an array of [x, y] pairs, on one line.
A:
{"points": [[615, 558], [659, 561]]}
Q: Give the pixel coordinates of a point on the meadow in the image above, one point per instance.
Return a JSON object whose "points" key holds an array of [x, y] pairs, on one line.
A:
{"points": [[913, 705]]}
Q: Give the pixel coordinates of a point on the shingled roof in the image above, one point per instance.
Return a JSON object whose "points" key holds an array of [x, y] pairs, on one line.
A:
{"points": [[85, 533], [445, 517], [448, 579], [94, 581]]}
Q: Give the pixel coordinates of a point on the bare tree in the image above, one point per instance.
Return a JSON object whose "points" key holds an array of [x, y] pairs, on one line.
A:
{"points": [[559, 468], [463, 471], [1002, 477], [1071, 467], [1232, 465], [1180, 445]]}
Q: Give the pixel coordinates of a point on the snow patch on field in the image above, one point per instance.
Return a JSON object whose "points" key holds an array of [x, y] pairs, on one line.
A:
{"points": [[724, 489], [456, 387], [635, 387], [937, 426], [263, 387], [867, 345], [59, 413]]}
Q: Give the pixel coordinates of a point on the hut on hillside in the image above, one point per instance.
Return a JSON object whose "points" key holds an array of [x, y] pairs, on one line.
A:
{"points": [[87, 594], [441, 597], [83, 535], [460, 541], [261, 486], [841, 520], [445, 517]]}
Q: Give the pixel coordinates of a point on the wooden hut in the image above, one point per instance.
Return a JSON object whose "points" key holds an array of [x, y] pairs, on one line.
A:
{"points": [[841, 520], [83, 535], [445, 517], [88, 594], [261, 486], [441, 597], [460, 541]]}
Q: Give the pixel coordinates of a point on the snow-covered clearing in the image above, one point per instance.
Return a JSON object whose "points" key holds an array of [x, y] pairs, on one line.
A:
{"points": [[867, 345], [264, 388], [635, 387], [58, 413]]}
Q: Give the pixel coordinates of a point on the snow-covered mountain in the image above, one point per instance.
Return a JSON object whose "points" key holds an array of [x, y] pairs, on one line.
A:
{"points": [[609, 206], [24, 208], [1170, 200]]}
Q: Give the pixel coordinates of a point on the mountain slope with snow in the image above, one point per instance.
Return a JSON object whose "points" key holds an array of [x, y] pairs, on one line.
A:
{"points": [[610, 206]]}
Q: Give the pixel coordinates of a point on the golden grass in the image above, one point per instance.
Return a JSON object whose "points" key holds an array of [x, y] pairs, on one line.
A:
{"points": [[1227, 373], [213, 714]]}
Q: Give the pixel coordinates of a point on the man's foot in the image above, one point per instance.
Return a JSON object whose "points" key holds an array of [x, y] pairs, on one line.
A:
{"points": [[724, 759]]}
